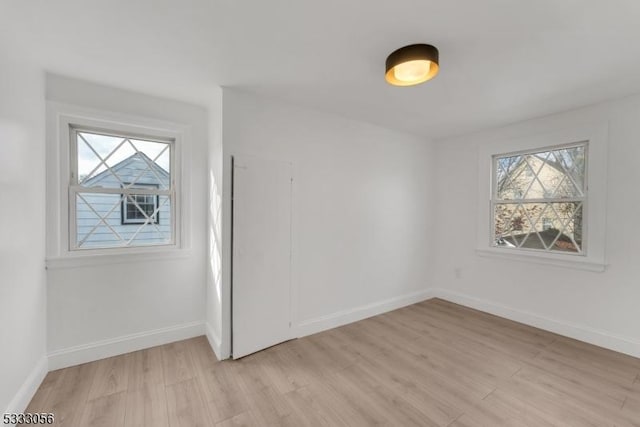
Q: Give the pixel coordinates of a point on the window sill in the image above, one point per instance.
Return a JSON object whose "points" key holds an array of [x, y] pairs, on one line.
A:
{"points": [[557, 260], [85, 260]]}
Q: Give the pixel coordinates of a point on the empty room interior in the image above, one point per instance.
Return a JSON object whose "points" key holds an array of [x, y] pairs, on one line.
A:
{"points": [[331, 213]]}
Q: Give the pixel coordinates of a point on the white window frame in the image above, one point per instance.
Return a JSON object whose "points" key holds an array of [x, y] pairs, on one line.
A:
{"points": [[75, 187], [60, 119], [594, 209]]}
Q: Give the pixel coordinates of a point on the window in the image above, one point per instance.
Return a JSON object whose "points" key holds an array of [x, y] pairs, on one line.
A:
{"points": [[554, 214], [106, 171], [122, 193], [136, 208], [539, 198]]}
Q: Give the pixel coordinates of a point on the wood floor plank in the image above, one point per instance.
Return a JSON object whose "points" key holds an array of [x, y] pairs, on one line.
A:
{"points": [[604, 362], [434, 404], [428, 370], [485, 370], [452, 335], [596, 404], [146, 406], [499, 363], [585, 378], [364, 404], [631, 410], [468, 420], [397, 410], [67, 401], [362, 343], [508, 407], [177, 363], [322, 348], [218, 382], [146, 369], [244, 419], [569, 388], [295, 363], [201, 353], [474, 331], [49, 385], [508, 328], [105, 411], [222, 390], [308, 412], [330, 397], [186, 405], [430, 364], [560, 413], [603, 355], [112, 376], [270, 408]]}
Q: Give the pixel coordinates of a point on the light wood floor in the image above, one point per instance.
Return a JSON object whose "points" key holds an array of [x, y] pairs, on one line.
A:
{"points": [[429, 364]]}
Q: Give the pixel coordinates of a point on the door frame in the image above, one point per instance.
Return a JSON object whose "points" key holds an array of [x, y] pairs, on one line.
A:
{"points": [[231, 207]]}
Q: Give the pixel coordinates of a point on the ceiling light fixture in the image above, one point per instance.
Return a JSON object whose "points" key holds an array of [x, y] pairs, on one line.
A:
{"points": [[412, 65]]}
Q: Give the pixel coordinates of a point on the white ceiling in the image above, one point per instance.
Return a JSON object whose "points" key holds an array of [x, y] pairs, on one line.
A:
{"points": [[501, 60]]}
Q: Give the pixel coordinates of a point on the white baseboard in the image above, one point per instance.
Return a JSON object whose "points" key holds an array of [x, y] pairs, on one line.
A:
{"points": [[584, 333], [124, 344], [29, 387], [214, 341], [319, 324]]}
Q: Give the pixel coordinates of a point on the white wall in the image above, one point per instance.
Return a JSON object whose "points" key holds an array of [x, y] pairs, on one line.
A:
{"points": [[601, 308], [362, 207], [215, 309], [22, 233], [104, 308]]}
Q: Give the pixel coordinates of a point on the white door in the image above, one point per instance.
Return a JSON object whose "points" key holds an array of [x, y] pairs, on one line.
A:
{"points": [[261, 264]]}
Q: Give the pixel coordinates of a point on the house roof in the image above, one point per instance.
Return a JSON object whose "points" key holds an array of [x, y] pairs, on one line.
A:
{"points": [[138, 168]]}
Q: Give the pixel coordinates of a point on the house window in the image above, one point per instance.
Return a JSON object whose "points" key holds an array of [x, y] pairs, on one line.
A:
{"points": [[122, 191], [539, 198], [140, 208]]}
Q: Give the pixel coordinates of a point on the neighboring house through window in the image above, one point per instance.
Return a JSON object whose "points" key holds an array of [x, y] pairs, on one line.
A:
{"points": [[121, 192], [542, 196], [538, 199]]}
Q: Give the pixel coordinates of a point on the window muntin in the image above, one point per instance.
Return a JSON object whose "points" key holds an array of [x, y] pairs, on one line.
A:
{"points": [[538, 199], [122, 193]]}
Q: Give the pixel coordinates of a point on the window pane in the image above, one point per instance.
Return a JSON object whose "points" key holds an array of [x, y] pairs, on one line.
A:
{"points": [[511, 179], [99, 223], [155, 151], [140, 208], [572, 160], [117, 162], [543, 175], [542, 226]]}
